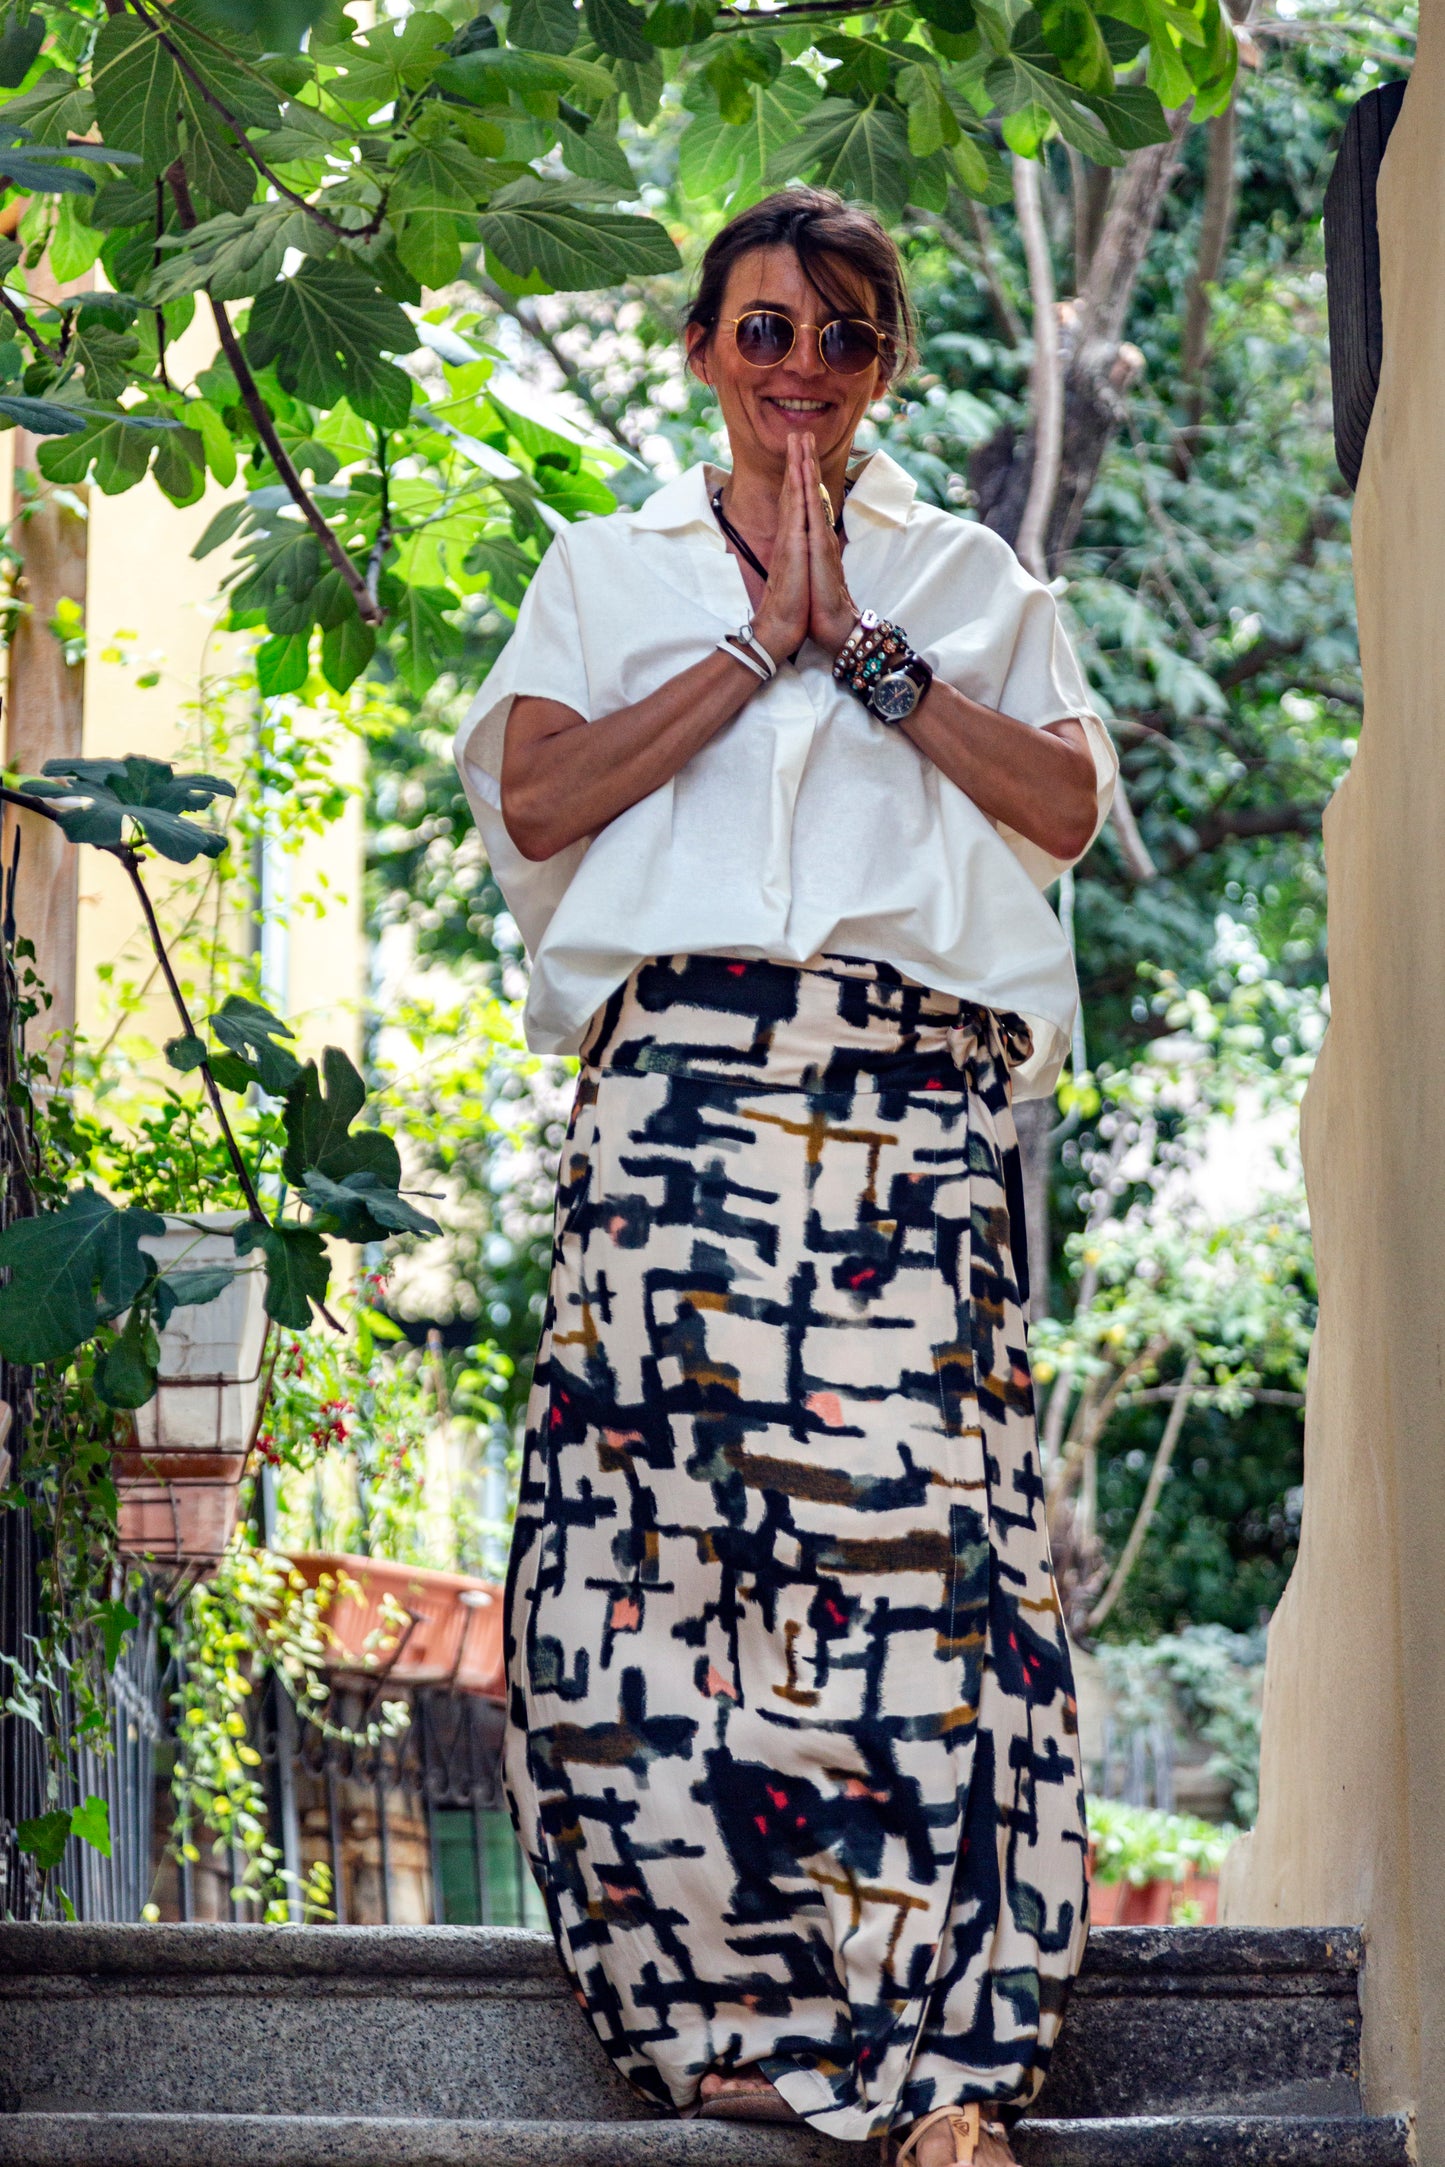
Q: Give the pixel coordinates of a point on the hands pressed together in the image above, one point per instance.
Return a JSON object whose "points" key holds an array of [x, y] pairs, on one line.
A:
{"points": [[807, 595]]}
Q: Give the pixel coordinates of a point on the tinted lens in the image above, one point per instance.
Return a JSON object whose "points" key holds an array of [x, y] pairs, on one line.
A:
{"points": [[849, 345], [764, 338]]}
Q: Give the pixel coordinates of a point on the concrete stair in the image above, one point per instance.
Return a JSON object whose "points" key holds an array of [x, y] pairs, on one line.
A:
{"points": [[245, 2046]]}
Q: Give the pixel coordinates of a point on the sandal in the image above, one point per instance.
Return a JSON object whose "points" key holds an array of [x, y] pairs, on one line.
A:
{"points": [[966, 2126], [752, 2100]]}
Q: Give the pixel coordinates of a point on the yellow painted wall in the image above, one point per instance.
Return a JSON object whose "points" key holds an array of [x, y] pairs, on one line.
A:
{"points": [[1352, 1809], [144, 582]]}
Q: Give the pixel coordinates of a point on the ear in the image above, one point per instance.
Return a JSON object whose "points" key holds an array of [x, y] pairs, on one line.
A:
{"points": [[698, 339]]}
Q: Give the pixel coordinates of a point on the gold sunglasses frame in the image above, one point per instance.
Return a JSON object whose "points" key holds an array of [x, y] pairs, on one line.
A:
{"points": [[730, 323]]}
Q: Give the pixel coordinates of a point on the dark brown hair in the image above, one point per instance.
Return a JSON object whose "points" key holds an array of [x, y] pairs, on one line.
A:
{"points": [[826, 234]]}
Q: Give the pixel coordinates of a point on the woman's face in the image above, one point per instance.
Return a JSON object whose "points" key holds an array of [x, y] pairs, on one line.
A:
{"points": [[762, 408]]}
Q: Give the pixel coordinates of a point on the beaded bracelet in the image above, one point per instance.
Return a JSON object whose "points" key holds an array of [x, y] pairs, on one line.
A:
{"points": [[869, 649]]}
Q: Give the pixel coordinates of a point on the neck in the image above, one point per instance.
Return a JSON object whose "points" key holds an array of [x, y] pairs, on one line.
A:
{"points": [[752, 493]]}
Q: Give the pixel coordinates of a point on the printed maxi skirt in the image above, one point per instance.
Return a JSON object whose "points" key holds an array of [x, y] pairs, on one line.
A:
{"points": [[793, 1746]]}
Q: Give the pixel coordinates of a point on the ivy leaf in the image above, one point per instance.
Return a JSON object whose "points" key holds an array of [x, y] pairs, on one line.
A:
{"points": [[190, 1286], [619, 28], [435, 185], [91, 1823], [146, 793], [326, 329], [106, 356], [543, 26], [137, 91], [1027, 79], [70, 1268], [115, 1621], [297, 1270], [233, 255], [362, 1208], [126, 1373], [44, 1838], [318, 1127], [396, 57], [250, 1030], [530, 226], [861, 151]]}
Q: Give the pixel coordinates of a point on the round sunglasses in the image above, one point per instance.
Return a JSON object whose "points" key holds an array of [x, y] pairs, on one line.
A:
{"points": [[846, 346]]}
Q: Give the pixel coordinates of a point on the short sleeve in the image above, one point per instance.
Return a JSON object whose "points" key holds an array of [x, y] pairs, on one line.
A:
{"points": [[544, 660], [1012, 653]]}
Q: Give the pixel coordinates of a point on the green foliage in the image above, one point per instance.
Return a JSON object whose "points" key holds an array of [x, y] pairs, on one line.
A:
{"points": [[320, 176], [256, 1619], [1138, 1844], [78, 1265], [1206, 1681]]}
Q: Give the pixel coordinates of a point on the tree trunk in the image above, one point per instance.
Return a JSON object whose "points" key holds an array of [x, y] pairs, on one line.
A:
{"points": [[1033, 1119], [1100, 368]]}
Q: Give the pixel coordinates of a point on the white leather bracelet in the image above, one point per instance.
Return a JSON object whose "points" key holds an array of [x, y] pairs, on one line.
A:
{"points": [[730, 647], [746, 638]]}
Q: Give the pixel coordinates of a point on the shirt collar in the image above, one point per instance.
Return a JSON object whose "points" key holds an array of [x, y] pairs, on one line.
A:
{"points": [[882, 491]]}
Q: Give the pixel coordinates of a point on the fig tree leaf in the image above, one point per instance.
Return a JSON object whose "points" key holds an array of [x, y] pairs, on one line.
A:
{"points": [[297, 1270], [531, 226], [185, 1052], [125, 1375], [69, 1269], [326, 330], [248, 1029], [190, 1286], [95, 799], [137, 90], [363, 1208]]}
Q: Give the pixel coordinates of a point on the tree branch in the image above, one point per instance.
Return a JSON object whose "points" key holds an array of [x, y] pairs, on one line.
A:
{"points": [[1006, 316], [22, 324], [1216, 225], [538, 331], [322, 218], [1046, 380], [1150, 1500], [1132, 846], [1248, 823]]}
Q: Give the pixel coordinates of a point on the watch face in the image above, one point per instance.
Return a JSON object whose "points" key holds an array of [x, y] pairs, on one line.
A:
{"points": [[895, 696]]}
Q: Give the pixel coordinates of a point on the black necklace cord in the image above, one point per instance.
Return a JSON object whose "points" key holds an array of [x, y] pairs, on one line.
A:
{"points": [[744, 548]]}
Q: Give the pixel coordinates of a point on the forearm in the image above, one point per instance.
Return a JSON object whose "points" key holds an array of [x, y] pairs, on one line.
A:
{"points": [[563, 781], [1035, 781]]}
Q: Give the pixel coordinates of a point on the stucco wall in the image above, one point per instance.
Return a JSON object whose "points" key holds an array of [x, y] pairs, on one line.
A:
{"points": [[1352, 1820]]}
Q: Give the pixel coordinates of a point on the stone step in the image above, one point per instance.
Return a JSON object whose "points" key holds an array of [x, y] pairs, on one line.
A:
{"points": [[475, 2023], [281, 2140]]}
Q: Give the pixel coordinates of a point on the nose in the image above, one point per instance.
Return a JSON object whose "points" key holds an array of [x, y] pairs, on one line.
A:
{"points": [[806, 359]]}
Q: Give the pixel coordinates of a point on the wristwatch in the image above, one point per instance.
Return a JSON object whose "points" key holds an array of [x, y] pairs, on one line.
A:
{"points": [[896, 692], [877, 665]]}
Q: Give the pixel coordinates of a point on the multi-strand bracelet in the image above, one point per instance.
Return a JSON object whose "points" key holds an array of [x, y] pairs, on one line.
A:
{"points": [[877, 665]]}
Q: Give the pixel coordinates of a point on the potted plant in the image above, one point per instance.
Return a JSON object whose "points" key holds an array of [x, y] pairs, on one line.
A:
{"points": [[175, 1310], [179, 1483], [1148, 1868], [409, 1624]]}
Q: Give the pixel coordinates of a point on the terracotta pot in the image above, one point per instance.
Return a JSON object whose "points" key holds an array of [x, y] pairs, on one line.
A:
{"points": [[179, 1480], [453, 1633], [1120, 1903]]}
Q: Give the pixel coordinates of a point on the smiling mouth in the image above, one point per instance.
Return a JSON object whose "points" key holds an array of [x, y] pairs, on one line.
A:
{"points": [[801, 406]]}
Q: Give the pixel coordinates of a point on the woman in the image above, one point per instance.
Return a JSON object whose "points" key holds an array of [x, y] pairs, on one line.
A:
{"points": [[793, 1746]]}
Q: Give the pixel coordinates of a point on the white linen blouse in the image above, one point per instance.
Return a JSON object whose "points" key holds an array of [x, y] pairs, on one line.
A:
{"points": [[804, 827]]}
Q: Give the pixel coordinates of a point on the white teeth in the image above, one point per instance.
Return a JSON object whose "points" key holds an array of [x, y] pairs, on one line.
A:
{"points": [[801, 406]]}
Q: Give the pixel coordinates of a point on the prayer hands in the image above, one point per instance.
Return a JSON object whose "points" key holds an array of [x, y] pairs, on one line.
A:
{"points": [[807, 595]]}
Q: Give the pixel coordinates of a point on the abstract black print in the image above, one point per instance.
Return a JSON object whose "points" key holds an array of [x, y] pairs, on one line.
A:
{"points": [[793, 1745]]}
